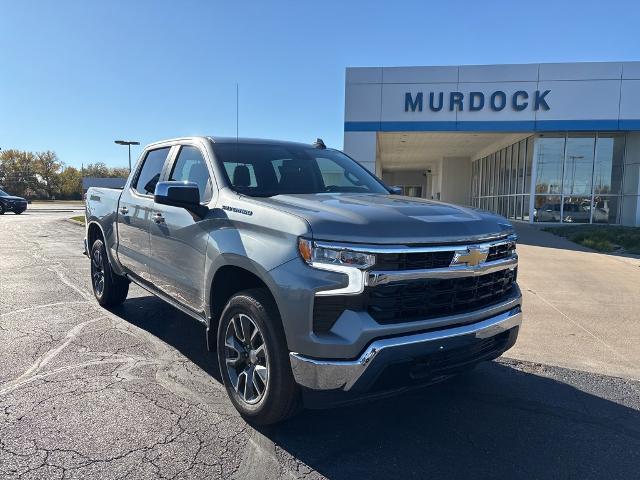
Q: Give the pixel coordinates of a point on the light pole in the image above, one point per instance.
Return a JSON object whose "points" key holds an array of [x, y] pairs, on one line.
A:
{"points": [[128, 143]]}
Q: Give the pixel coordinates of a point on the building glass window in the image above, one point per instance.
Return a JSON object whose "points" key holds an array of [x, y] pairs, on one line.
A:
{"points": [[607, 172], [547, 208], [578, 166], [606, 209], [491, 162], [503, 161], [483, 176], [549, 162], [513, 172], [579, 178], [528, 165], [507, 170], [522, 151]]}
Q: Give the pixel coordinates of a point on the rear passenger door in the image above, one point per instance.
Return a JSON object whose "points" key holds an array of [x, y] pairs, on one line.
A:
{"points": [[178, 237], [134, 213]]}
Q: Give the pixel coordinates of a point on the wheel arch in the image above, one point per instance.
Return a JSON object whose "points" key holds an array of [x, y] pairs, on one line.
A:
{"points": [[94, 231], [227, 280]]}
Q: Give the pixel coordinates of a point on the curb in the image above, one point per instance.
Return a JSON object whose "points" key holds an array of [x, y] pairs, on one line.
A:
{"points": [[74, 222], [54, 210]]}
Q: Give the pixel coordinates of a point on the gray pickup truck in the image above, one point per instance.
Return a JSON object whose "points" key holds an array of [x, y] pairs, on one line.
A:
{"points": [[317, 284]]}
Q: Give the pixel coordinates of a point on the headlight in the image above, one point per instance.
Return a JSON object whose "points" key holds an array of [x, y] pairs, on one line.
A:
{"points": [[313, 253]]}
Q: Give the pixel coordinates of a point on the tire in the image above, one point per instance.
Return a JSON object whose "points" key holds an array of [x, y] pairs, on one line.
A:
{"points": [[19, 212], [273, 395], [1, 209], [108, 288]]}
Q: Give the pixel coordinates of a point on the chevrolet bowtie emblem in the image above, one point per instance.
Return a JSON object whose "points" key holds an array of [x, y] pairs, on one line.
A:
{"points": [[472, 257]]}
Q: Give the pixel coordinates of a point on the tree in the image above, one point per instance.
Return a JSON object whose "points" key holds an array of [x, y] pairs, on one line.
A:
{"points": [[18, 173], [122, 172], [100, 169], [48, 167], [71, 183], [42, 174]]}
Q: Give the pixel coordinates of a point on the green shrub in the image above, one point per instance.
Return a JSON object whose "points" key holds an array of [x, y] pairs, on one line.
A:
{"points": [[603, 238]]}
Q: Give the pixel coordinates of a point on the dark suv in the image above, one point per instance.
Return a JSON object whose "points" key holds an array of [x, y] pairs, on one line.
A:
{"points": [[9, 203]]}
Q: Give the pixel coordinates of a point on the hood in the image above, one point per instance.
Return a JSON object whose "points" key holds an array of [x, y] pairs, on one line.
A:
{"points": [[12, 198], [389, 219]]}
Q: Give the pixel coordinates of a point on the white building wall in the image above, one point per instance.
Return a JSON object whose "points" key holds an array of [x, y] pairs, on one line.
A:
{"points": [[362, 146], [456, 180], [584, 92]]}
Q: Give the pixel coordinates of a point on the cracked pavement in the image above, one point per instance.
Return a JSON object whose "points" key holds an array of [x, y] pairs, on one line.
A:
{"points": [[133, 393]]}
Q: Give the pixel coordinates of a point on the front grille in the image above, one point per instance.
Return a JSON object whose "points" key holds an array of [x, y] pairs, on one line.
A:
{"points": [[413, 260], [417, 299], [431, 298], [428, 260], [501, 251]]}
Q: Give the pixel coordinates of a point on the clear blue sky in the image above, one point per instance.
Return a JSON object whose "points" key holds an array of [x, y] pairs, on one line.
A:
{"points": [[75, 75]]}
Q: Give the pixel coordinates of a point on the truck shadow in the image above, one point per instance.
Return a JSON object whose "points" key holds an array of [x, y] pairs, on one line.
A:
{"points": [[173, 327], [497, 421]]}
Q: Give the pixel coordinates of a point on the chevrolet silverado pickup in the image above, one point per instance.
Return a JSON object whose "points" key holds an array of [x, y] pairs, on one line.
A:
{"points": [[317, 284]]}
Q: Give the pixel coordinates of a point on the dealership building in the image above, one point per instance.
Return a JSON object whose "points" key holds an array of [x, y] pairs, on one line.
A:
{"points": [[535, 142]]}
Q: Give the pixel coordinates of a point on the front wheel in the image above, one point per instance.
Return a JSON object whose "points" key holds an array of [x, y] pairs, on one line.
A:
{"points": [[109, 288], [254, 360]]}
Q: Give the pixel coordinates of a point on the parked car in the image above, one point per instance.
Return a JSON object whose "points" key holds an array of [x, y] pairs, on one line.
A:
{"points": [[316, 284], [571, 213], [10, 203]]}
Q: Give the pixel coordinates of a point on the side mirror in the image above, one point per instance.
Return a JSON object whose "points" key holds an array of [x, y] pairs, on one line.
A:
{"points": [[395, 190], [179, 194]]}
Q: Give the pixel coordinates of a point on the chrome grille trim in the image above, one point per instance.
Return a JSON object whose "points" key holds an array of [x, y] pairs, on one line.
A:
{"points": [[383, 277], [416, 249]]}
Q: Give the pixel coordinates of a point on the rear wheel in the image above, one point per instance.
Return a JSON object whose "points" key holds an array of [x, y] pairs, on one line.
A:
{"points": [[254, 359], [1, 209], [109, 288]]}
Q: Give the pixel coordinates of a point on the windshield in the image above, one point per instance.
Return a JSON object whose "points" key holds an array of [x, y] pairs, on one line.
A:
{"points": [[261, 170], [3, 193]]}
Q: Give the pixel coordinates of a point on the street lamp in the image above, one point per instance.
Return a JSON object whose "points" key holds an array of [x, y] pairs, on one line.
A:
{"points": [[128, 143]]}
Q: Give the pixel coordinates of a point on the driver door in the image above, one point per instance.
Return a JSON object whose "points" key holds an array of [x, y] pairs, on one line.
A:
{"points": [[178, 237]]}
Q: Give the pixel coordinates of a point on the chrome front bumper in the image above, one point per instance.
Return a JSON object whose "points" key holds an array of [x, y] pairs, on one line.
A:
{"points": [[317, 374]]}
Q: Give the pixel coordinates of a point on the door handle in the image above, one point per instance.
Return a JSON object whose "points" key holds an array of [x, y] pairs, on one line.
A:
{"points": [[158, 218], [124, 210]]}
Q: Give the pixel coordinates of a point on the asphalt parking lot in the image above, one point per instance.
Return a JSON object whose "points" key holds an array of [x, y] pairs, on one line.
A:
{"points": [[133, 393]]}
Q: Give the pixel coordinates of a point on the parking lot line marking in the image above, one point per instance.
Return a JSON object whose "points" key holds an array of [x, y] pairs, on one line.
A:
{"points": [[35, 307]]}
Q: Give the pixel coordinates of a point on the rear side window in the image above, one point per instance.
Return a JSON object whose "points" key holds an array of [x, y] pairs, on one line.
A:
{"points": [[190, 166], [150, 172]]}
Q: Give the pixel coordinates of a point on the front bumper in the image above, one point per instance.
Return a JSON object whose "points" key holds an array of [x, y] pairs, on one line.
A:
{"points": [[415, 351], [15, 207]]}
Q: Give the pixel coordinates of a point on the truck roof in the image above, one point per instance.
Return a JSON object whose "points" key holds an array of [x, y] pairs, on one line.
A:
{"points": [[243, 140]]}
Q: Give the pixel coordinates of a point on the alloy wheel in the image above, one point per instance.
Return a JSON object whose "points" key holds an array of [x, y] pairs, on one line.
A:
{"points": [[246, 358], [97, 271]]}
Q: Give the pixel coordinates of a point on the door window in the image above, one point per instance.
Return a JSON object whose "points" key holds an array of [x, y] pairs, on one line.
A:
{"points": [[149, 174], [190, 166]]}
